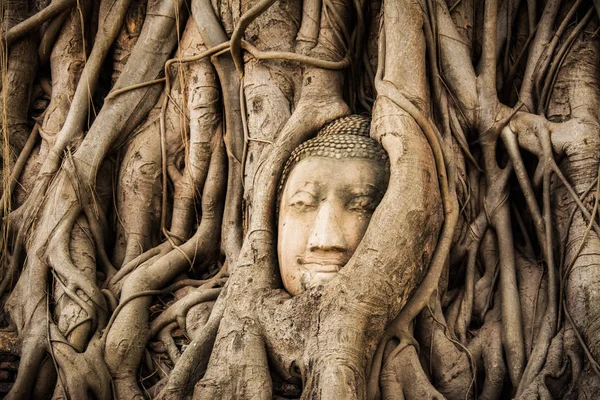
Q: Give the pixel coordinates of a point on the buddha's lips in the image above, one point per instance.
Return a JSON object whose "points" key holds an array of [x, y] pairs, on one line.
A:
{"points": [[321, 265]]}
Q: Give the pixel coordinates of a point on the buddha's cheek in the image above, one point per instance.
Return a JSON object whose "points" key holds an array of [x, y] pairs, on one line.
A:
{"points": [[291, 244]]}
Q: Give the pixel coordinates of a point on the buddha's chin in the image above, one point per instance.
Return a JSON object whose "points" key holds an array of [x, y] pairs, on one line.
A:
{"points": [[312, 279]]}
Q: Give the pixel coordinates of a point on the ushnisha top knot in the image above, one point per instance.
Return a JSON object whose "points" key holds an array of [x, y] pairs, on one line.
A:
{"points": [[342, 138]]}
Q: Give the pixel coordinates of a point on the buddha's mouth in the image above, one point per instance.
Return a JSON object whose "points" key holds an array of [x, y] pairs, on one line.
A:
{"points": [[329, 268], [331, 265]]}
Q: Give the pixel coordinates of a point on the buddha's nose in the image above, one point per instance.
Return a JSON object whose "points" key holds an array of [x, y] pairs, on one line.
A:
{"points": [[327, 233]]}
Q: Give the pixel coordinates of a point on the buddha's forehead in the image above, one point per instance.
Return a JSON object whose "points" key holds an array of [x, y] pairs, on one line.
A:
{"points": [[320, 173]]}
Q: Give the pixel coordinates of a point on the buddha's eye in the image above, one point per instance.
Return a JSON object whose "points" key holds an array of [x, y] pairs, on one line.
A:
{"points": [[302, 202], [362, 203]]}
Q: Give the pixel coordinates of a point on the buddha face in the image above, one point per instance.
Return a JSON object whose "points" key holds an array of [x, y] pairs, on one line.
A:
{"points": [[325, 208]]}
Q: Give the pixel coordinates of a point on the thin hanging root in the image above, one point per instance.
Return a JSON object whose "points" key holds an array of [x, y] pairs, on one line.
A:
{"points": [[203, 108], [578, 201], [111, 20], [17, 169], [421, 297], [588, 353], [243, 23], [515, 68], [35, 21], [510, 142], [495, 198], [547, 57], [11, 274], [569, 268], [556, 65], [490, 125], [213, 35]]}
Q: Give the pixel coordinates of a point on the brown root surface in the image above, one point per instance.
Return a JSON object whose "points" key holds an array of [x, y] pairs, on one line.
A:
{"points": [[143, 144]]}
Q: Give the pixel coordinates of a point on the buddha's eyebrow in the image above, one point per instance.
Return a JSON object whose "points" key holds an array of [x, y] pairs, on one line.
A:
{"points": [[305, 186], [361, 189]]}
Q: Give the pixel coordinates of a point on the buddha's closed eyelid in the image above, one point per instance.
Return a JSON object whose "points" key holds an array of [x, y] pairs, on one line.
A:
{"points": [[302, 200], [301, 194], [352, 191], [365, 202]]}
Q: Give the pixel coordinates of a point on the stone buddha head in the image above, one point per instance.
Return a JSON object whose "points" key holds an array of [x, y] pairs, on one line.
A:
{"points": [[330, 187]]}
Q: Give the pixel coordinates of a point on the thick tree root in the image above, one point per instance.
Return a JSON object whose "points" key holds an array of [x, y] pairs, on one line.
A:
{"points": [[178, 311], [124, 346], [403, 378], [81, 373], [522, 324], [563, 375], [449, 362]]}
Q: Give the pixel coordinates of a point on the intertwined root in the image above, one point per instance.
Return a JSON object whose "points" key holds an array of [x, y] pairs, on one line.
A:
{"points": [[563, 375], [517, 320], [403, 378], [448, 362], [81, 374]]}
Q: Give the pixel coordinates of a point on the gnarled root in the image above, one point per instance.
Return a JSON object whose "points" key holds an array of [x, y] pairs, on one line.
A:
{"points": [[138, 208], [81, 374], [488, 353], [562, 375], [125, 346], [449, 363], [16, 86], [194, 360], [33, 332], [403, 378], [179, 310]]}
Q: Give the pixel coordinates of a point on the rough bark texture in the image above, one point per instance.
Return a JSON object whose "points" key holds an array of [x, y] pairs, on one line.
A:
{"points": [[143, 143]]}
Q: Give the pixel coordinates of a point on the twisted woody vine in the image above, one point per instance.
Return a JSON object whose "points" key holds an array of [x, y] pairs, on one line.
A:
{"points": [[300, 199]]}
